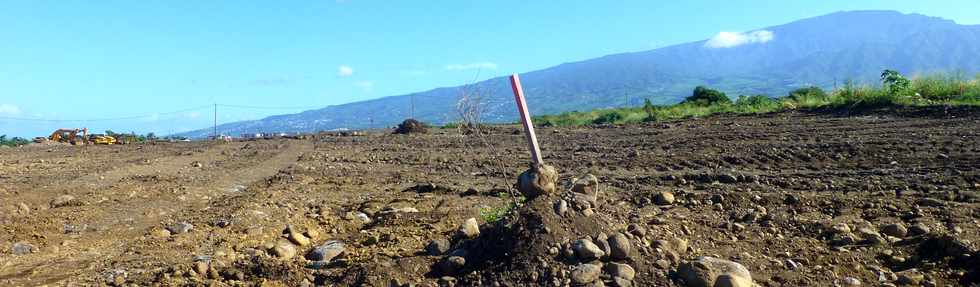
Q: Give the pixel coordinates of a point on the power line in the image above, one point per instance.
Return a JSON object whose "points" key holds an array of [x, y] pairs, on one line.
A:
{"points": [[108, 119]]}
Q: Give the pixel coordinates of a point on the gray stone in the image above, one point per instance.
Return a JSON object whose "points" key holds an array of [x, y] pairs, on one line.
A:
{"points": [[64, 200], [850, 281], [910, 277], [470, 228], [561, 207], [841, 228], [284, 249], [586, 273], [586, 250], [709, 271], [919, 229], [895, 230], [620, 270], [21, 248], [729, 280], [931, 202], [327, 251], [437, 246], [619, 246], [453, 264], [182, 227], [664, 198], [621, 282]]}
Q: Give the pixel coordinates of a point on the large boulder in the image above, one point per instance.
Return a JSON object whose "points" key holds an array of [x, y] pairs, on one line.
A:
{"points": [[713, 272], [538, 180]]}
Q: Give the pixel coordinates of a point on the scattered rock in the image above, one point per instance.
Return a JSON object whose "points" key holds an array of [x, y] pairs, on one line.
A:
{"points": [[561, 207], [222, 223], [850, 281], [791, 199], [64, 200], [637, 230], [588, 185], [284, 249], [21, 248], [296, 236], [919, 229], [326, 251], [160, 233], [709, 271], [729, 280], [895, 230], [620, 270], [586, 273], [536, 181], [619, 246], [470, 228], [179, 228], [910, 277], [664, 198], [437, 247], [586, 250], [453, 264], [931, 202]]}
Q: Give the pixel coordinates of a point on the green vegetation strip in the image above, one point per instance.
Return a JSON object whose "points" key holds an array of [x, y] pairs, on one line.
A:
{"points": [[895, 91]]}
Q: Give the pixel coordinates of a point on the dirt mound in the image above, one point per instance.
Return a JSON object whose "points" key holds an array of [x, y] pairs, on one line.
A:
{"points": [[411, 126], [547, 242]]}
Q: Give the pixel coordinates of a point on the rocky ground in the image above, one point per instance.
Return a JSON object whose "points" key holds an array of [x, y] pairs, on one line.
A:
{"points": [[788, 199]]}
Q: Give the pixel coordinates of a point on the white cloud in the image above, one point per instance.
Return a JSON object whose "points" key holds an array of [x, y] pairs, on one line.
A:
{"points": [[732, 39], [9, 110], [345, 71], [471, 66], [193, 115], [366, 86]]}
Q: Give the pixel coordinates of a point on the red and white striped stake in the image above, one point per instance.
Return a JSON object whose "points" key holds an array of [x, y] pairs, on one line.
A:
{"points": [[532, 139]]}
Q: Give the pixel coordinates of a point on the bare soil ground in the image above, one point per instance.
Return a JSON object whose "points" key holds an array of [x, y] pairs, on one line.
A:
{"points": [[800, 199]]}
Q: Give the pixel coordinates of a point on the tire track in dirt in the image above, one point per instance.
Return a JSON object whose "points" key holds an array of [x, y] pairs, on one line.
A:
{"points": [[119, 222]]}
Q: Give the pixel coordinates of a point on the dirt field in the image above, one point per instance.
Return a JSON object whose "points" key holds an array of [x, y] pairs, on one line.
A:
{"points": [[798, 199]]}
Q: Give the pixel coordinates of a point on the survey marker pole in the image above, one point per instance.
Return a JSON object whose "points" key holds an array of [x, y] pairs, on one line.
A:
{"points": [[532, 139]]}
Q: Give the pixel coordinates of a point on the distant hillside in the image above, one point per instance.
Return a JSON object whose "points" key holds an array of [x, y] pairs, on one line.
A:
{"points": [[822, 51]]}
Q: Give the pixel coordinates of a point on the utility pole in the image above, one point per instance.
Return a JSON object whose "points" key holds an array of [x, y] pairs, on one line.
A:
{"points": [[626, 95], [412, 112], [215, 134]]}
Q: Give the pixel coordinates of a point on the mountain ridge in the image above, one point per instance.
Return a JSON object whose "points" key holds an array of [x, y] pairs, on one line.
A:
{"points": [[824, 51]]}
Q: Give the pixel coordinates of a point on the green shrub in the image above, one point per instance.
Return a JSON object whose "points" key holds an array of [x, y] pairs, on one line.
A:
{"points": [[756, 104], [608, 118], [15, 141], [894, 82], [704, 96]]}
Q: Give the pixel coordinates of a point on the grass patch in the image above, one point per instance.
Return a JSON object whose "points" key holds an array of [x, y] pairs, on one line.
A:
{"points": [[935, 89]]}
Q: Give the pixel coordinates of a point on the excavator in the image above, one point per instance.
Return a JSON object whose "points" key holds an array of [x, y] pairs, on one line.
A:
{"points": [[66, 136], [72, 136]]}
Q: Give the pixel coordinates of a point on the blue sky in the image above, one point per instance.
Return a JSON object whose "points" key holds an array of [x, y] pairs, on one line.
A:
{"points": [[138, 60]]}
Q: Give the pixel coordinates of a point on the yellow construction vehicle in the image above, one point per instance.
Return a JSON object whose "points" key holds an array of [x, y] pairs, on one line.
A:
{"points": [[103, 139]]}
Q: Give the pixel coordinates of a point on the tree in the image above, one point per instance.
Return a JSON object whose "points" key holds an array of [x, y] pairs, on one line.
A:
{"points": [[894, 82], [151, 136], [704, 96]]}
